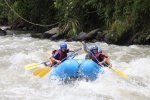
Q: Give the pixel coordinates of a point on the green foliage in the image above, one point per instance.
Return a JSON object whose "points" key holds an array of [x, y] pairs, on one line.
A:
{"points": [[140, 8], [74, 15], [41, 12], [12, 17], [107, 14], [3, 10], [68, 16], [120, 27], [71, 26], [131, 14]]}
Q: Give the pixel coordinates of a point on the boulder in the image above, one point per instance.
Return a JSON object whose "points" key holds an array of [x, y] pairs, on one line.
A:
{"points": [[6, 27], [148, 40], [52, 32], [2, 32], [91, 34], [100, 36], [57, 36], [70, 39], [37, 35], [81, 36], [17, 27]]}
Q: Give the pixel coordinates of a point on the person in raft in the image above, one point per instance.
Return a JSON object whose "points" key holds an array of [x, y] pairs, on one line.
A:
{"points": [[60, 54], [102, 58]]}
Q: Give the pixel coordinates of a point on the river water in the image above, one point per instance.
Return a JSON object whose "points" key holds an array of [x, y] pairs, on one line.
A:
{"points": [[16, 83]]}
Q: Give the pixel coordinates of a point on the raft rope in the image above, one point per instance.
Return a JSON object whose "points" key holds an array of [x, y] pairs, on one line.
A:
{"points": [[79, 64], [27, 20], [78, 61], [79, 72]]}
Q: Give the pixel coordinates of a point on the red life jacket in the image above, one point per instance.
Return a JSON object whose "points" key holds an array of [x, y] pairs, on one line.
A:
{"points": [[104, 55], [62, 54], [99, 56]]}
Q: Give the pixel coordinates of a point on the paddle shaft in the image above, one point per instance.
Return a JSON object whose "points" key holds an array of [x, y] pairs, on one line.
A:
{"points": [[92, 53]]}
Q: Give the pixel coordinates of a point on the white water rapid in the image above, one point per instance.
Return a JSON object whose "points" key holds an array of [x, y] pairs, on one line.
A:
{"points": [[16, 83]]}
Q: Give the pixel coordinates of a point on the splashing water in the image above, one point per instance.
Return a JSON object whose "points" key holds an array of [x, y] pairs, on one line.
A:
{"points": [[16, 83]]}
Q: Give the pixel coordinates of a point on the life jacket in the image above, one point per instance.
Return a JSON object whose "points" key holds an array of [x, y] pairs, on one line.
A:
{"points": [[62, 55], [99, 56]]}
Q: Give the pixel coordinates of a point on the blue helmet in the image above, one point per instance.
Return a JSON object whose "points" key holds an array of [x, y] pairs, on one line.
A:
{"points": [[63, 45], [94, 47], [100, 50]]}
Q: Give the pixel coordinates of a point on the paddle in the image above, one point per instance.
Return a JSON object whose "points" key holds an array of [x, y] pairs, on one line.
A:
{"points": [[116, 71], [120, 73], [33, 65], [36, 72], [42, 72]]}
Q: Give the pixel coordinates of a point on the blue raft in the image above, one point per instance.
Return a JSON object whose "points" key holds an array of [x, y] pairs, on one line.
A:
{"points": [[76, 68]]}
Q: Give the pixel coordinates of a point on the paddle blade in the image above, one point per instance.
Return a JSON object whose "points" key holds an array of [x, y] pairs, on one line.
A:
{"points": [[43, 73], [120, 73], [36, 72], [31, 66]]}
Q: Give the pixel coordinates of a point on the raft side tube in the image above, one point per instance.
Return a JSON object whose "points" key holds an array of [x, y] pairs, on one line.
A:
{"points": [[65, 70], [90, 70], [78, 68]]}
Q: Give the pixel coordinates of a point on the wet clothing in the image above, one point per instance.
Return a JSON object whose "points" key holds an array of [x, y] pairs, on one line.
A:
{"points": [[59, 55], [99, 56], [88, 56]]}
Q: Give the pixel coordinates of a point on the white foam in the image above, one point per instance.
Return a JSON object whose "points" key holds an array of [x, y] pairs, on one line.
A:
{"points": [[18, 83]]}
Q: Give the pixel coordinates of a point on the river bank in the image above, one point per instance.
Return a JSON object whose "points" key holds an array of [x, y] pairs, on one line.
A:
{"points": [[96, 35]]}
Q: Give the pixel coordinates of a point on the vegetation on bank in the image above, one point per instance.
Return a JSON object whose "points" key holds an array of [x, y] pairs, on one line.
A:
{"points": [[125, 18]]}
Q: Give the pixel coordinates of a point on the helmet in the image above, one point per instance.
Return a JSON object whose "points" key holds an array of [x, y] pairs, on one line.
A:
{"points": [[63, 45], [100, 50], [94, 47]]}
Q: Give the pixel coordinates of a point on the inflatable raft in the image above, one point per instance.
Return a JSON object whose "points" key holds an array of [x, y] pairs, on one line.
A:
{"points": [[76, 68]]}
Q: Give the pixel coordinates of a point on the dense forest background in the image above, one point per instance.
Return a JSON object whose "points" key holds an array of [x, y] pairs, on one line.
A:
{"points": [[121, 20]]}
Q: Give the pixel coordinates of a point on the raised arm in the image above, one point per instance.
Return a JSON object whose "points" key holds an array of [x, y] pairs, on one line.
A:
{"points": [[85, 47]]}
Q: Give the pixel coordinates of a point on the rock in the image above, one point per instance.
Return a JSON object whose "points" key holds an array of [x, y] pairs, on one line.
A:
{"points": [[69, 39], [37, 35], [2, 32], [100, 36], [81, 36], [5, 27], [54, 31], [24, 28], [148, 40], [94, 40], [17, 27], [91, 34], [57, 36], [46, 35]]}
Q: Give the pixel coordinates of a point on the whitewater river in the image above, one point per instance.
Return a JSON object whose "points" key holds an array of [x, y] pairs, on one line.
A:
{"points": [[16, 83]]}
